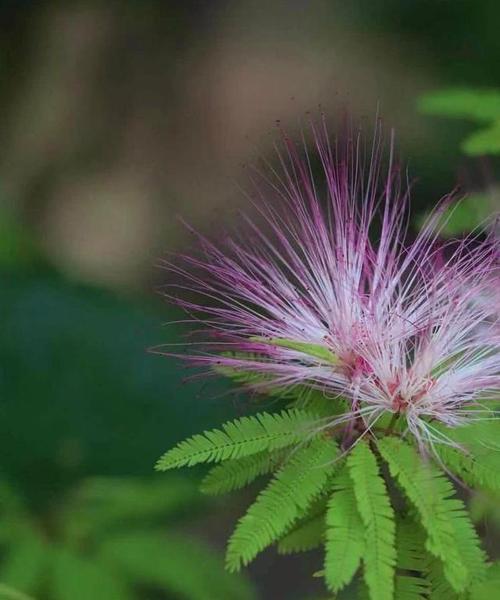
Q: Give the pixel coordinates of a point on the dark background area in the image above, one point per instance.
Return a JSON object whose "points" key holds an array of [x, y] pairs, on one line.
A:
{"points": [[118, 117]]}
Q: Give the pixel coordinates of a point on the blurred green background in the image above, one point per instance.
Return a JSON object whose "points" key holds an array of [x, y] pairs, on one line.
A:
{"points": [[116, 117]]}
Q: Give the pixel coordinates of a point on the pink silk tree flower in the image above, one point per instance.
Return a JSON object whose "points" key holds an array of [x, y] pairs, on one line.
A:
{"points": [[325, 290]]}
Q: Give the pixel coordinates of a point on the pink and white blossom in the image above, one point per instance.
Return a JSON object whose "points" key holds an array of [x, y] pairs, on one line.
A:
{"points": [[324, 288]]}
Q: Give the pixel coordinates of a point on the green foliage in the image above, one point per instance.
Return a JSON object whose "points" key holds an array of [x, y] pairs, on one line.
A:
{"points": [[484, 141], [17, 247], [307, 534], [100, 504], [249, 378], [77, 578], [477, 460], [464, 215], [485, 508], [319, 404], [282, 502], [440, 588], [237, 473], [479, 105], [488, 588], [345, 535], [478, 471], [377, 517], [186, 567], [90, 398], [241, 437], [316, 497], [408, 587], [450, 535], [302, 397], [104, 543], [8, 593], [482, 106], [412, 580], [481, 437], [410, 545], [295, 396], [26, 561], [318, 351]]}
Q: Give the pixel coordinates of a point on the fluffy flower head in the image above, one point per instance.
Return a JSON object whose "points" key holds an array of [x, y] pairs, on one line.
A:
{"points": [[325, 291]]}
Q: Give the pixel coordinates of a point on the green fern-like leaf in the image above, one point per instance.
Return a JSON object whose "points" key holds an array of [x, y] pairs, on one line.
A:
{"points": [[345, 540], [241, 437], [287, 496], [308, 535], [254, 379], [412, 560], [478, 464], [450, 535], [377, 516], [410, 545], [468, 544], [487, 589], [298, 396], [409, 587], [305, 532], [317, 351], [475, 471], [439, 586], [238, 473], [480, 436], [318, 403], [362, 591]]}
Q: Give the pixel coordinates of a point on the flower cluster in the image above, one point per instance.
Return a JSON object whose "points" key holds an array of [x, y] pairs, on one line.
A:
{"points": [[326, 290]]}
